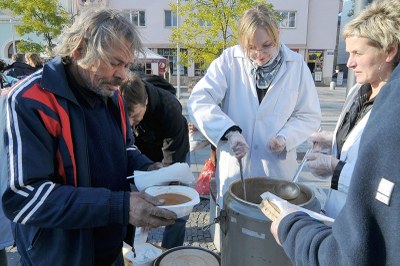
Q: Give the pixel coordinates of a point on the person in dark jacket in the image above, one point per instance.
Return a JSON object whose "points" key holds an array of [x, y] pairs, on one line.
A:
{"points": [[161, 132], [365, 232], [68, 149], [19, 69], [5, 81]]}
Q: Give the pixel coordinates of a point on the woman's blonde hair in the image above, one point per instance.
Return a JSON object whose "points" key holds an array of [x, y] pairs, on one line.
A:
{"points": [[33, 60], [98, 33], [379, 22], [253, 18]]}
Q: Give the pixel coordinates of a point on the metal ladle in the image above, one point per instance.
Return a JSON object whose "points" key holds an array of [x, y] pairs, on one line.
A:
{"points": [[289, 191], [242, 179]]}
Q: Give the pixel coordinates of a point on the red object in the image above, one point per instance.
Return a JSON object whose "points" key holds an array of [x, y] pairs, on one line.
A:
{"points": [[203, 181]]}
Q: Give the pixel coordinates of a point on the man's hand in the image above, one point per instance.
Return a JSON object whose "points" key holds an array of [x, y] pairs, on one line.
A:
{"points": [[143, 211]]}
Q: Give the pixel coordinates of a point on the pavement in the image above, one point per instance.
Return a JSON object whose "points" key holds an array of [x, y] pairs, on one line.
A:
{"points": [[331, 104]]}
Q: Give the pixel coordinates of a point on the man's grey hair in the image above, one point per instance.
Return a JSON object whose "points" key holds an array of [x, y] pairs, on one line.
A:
{"points": [[98, 33]]}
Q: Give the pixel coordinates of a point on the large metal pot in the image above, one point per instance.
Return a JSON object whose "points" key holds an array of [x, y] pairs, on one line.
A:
{"points": [[245, 230]]}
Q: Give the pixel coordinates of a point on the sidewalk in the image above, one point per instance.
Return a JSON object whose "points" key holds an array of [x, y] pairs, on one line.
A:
{"points": [[331, 104]]}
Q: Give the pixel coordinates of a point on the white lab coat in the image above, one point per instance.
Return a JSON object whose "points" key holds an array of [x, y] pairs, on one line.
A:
{"points": [[226, 96], [337, 198]]}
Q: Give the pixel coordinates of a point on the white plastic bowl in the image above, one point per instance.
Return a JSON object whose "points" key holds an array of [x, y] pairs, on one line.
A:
{"points": [[180, 209]]}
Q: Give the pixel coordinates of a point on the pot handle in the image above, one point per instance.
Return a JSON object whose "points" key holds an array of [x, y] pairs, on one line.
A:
{"points": [[219, 219]]}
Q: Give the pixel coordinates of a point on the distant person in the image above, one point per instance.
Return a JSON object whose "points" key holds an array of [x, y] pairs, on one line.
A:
{"points": [[18, 69], [366, 231], [5, 80], [256, 103], [373, 49], [34, 60], [161, 131], [68, 148]]}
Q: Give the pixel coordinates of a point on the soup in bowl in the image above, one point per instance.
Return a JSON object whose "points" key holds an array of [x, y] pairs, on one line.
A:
{"points": [[179, 199]]}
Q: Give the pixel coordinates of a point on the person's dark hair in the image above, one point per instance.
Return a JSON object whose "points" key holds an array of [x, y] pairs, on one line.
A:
{"points": [[18, 57], [133, 90]]}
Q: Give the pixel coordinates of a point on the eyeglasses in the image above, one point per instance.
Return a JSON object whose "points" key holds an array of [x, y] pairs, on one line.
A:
{"points": [[265, 49]]}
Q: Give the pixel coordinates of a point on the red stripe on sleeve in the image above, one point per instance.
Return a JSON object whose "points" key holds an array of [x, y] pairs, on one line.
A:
{"points": [[38, 94]]}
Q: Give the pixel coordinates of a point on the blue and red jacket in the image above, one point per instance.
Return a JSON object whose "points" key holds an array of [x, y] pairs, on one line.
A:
{"points": [[49, 197]]}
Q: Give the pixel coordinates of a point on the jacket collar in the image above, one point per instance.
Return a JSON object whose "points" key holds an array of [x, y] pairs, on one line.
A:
{"points": [[54, 79]]}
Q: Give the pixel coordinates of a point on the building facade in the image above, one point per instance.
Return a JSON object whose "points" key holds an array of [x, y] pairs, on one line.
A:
{"points": [[309, 27]]}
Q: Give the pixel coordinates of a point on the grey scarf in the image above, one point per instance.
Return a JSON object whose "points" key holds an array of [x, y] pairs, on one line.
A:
{"points": [[264, 75]]}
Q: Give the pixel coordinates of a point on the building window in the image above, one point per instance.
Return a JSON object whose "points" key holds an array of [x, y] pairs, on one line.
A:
{"points": [[170, 54], [170, 18], [288, 19], [147, 69], [137, 17]]}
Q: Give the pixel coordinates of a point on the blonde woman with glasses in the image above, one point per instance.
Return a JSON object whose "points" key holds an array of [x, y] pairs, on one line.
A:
{"points": [[256, 103]]}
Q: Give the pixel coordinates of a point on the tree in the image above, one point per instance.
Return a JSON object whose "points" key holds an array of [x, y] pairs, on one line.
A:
{"points": [[42, 17], [207, 27]]}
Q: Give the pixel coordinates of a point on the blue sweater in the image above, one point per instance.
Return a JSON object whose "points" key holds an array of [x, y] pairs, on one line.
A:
{"points": [[54, 200], [366, 231]]}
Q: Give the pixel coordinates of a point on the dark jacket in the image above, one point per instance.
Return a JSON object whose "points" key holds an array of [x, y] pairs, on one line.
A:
{"points": [[163, 133], [49, 196], [19, 70], [366, 231]]}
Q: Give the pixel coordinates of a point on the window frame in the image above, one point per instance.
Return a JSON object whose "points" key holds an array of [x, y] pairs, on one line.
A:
{"points": [[172, 17], [132, 13], [290, 16]]}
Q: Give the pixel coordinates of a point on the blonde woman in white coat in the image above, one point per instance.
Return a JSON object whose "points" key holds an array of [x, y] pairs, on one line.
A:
{"points": [[373, 45], [256, 103]]}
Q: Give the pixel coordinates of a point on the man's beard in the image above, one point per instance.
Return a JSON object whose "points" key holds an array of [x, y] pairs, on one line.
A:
{"points": [[103, 83]]}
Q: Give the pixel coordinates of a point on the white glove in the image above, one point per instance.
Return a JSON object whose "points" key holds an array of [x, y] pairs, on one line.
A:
{"points": [[321, 165], [277, 144], [321, 142], [238, 144], [276, 209]]}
